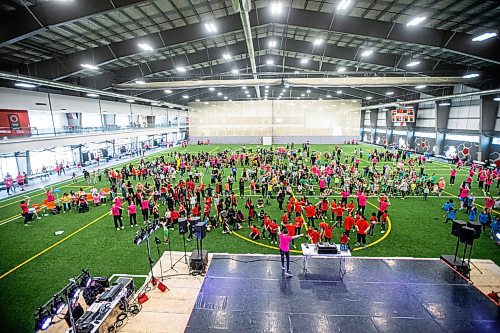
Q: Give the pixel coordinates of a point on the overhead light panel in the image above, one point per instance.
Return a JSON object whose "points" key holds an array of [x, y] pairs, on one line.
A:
{"points": [[369, 97], [89, 66], [318, 41], [302, 95], [270, 62], [197, 100], [130, 100], [444, 104], [145, 47], [185, 96], [496, 99], [389, 93], [235, 71], [421, 86], [140, 82], [470, 76], [304, 61], [24, 85], [219, 94], [366, 53], [341, 69], [343, 4], [276, 8], [211, 27], [226, 56], [416, 21], [413, 63], [328, 96], [211, 88], [181, 69], [168, 91], [92, 95], [244, 87], [273, 43], [308, 91], [485, 36], [225, 97], [339, 92]]}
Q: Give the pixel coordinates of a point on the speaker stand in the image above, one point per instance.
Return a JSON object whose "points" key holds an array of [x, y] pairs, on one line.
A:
{"points": [[185, 254]]}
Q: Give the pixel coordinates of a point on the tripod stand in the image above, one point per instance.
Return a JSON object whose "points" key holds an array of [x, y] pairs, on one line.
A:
{"points": [[185, 254], [158, 242]]}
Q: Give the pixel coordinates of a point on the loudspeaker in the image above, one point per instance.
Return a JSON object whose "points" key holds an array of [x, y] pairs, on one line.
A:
{"points": [[477, 228], [456, 227], [183, 225], [467, 235], [201, 230], [104, 153], [198, 260]]}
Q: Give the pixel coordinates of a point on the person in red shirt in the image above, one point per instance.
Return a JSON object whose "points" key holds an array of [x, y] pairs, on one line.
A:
{"points": [[314, 235], [299, 222], [25, 212], [310, 213], [255, 233], [348, 224], [373, 223], [298, 207], [289, 209], [384, 221], [326, 231], [291, 232], [350, 207], [339, 212], [333, 208], [273, 232], [362, 227]]}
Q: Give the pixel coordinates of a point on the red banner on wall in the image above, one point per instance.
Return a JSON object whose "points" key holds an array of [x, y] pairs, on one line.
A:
{"points": [[14, 123]]}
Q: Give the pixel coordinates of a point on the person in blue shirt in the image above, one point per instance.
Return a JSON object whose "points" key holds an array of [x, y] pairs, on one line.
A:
{"points": [[451, 215], [446, 207], [483, 219], [495, 230], [473, 214]]}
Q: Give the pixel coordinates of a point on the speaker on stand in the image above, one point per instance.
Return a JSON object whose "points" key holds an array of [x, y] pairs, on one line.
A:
{"points": [[199, 257], [465, 233]]}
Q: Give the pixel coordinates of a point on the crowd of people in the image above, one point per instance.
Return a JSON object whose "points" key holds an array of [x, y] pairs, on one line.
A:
{"points": [[235, 189]]}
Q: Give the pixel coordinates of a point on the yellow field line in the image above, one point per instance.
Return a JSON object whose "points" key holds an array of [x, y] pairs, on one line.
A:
{"points": [[213, 149], [52, 246]]}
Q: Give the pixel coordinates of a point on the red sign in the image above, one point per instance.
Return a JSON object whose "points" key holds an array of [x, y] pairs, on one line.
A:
{"points": [[14, 123]]}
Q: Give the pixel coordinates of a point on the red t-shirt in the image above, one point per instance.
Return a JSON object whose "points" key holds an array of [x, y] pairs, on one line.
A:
{"points": [[339, 211], [299, 221], [315, 236], [344, 239], [255, 231], [362, 226], [284, 218], [327, 228], [174, 215], [310, 211], [24, 208], [291, 229], [348, 223]]}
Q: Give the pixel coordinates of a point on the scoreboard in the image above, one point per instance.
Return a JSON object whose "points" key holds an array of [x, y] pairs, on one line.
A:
{"points": [[401, 116]]}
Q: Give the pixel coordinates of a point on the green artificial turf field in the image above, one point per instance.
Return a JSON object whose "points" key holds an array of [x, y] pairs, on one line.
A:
{"points": [[35, 263]]}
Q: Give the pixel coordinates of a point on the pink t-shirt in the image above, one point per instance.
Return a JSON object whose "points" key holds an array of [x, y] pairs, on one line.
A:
{"points": [[145, 204], [132, 209], [115, 211], [362, 200], [285, 242], [383, 205], [344, 194]]}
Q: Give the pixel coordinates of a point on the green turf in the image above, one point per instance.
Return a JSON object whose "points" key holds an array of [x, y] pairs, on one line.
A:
{"points": [[417, 231]]}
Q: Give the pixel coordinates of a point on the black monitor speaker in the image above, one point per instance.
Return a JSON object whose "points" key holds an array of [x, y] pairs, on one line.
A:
{"points": [[456, 227], [467, 235], [201, 230], [183, 225], [477, 228]]}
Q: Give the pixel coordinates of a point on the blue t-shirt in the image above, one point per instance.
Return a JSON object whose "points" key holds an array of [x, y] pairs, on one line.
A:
{"points": [[483, 218], [472, 215], [452, 214]]}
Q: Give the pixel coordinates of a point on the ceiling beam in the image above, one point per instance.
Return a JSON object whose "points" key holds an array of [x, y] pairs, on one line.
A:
{"points": [[51, 14]]}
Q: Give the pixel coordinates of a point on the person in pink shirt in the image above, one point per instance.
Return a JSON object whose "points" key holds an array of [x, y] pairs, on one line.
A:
{"points": [[145, 210], [322, 185], [384, 203], [285, 240], [132, 213], [464, 192], [453, 174], [361, 203], [344, 194], [117, 218]]}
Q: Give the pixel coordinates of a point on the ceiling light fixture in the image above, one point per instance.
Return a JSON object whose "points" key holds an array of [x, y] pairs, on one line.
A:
{"points": [[343, 4], [226, 56], [181, 69], [302, 95], [219, 94], [318, 41], [308, 91], [304, 61], [235, 71], [244, 87], [366, 53], [328, 96], [185, 96], [92, 95], [485, 36], [444, 104], [89, 66], [197, 100], [416, 21], [24, 85], [470, 76], [339, 92], [413, 63], [421, 86], [140, 82], [275, 8], [389, 93], [168, 91], [211, 27], [369, 97], [341, 69], [225, 97], [145, 47], [496, 99], [130, 100], [211, 88], [272, 43], [270, 62]]}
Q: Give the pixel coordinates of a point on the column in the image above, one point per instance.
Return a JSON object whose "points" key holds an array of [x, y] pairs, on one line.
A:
{"points": [[442, 115], [373, 123], [487, 120], [389, 125], [410, 129]]}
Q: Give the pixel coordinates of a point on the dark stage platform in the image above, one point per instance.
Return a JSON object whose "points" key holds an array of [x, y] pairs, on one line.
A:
{"points": [[249, 294]]}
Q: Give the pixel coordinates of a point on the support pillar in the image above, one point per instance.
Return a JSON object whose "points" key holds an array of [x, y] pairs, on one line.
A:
{"points": [[373, 124], [487, 121], [442, 115]]}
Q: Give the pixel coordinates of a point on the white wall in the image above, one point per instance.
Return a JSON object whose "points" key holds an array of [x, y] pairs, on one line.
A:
{"points": [[325, 118]]}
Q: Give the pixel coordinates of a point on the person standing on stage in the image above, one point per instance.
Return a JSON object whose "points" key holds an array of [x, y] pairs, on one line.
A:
{"points": [[285, 240]]}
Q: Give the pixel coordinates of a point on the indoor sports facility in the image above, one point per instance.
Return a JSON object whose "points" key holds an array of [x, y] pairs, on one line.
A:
{"points": [[249, 166]]}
